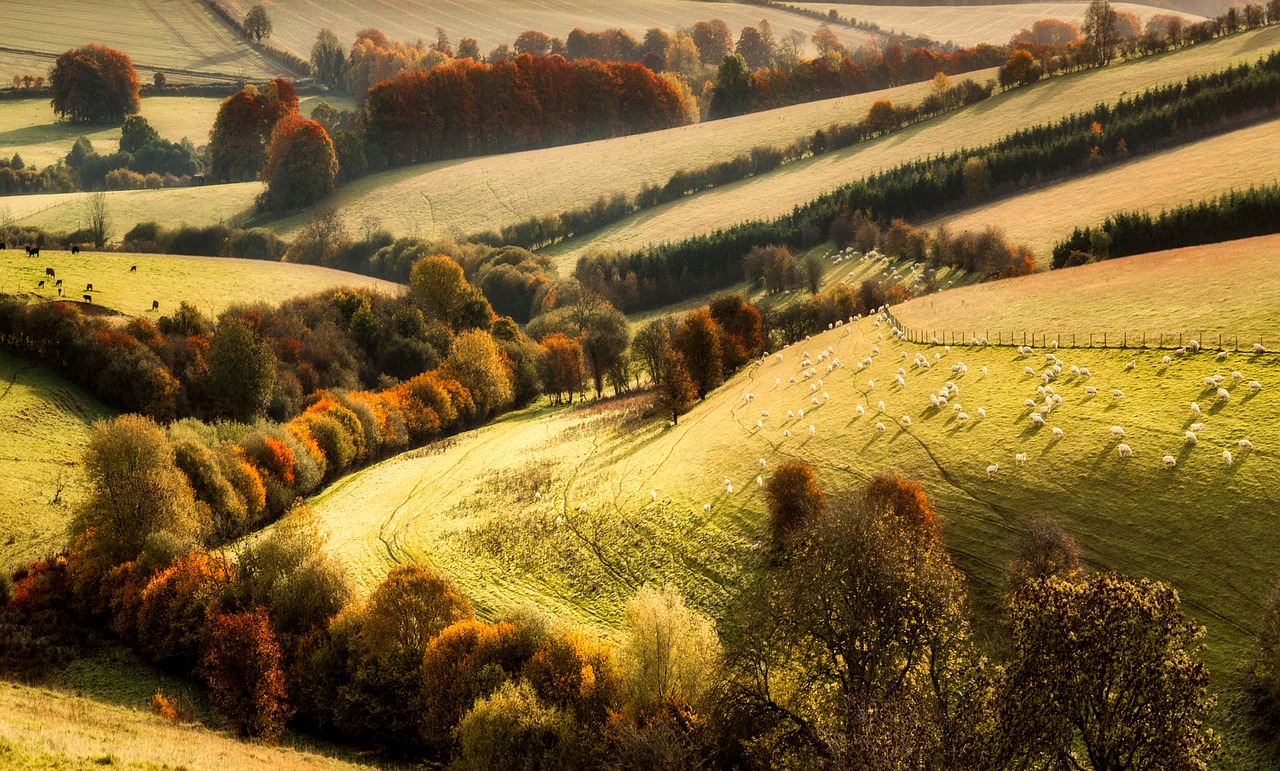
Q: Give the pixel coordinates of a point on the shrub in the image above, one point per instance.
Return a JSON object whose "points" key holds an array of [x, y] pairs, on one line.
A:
{"points": [[671, 652], [241, 665], [794, 500], [513, 729]]}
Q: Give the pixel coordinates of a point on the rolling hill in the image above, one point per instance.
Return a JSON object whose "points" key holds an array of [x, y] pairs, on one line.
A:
{"points": [[181, 37], [969, 25], [493, 22], [776, 193], [44, 426], [598, 532], [41, 729], [1045, 215]]}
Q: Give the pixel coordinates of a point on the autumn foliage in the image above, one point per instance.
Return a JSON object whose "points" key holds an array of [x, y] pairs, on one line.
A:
{"points": [[241, 664], [94, 84], [300, 166]]}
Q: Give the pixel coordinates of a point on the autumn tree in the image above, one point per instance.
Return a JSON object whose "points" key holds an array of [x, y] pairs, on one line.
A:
{"points": [[676, 391], [513, 730], [477, 362], [671, 653], [731, 94], [561, 366], [242, 665], [243, 126], [328, 59], [94, 84], [794, 499], [533, 43], [1043, 550], [699, 341], [438, 286], [742, 329], [600, 329], [242, 371], [882, 116], [1101, 29], [135, 491], [301, 166], [1020, 68], [1104, 672], [754, 49], [257, 22], [713, 39], [651, 345]]}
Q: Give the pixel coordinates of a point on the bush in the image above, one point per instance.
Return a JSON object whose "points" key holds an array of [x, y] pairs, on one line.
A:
{"points": [[241, 665], [513, 729], [123, 179], [795, 501]]}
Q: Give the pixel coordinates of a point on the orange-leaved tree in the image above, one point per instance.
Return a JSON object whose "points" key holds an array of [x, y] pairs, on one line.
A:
{"points": [[94, 84], [241, 664]]}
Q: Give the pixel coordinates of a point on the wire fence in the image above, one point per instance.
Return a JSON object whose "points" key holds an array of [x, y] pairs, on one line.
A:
{"points": [[1217, 341]]}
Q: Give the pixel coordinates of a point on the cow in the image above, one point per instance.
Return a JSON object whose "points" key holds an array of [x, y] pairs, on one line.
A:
{"points": [[59, 292], [33, 251], [133, 269], [40, 285], [88, 299], [58, 282], [48, 272], [155, 305], [88, 287], [75, 248]]}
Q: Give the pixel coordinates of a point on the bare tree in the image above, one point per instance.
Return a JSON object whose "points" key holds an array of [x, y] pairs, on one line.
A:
{"points": [[95, 212]]}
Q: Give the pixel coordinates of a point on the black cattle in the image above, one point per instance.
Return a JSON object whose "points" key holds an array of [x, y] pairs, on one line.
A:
{"points": [[48, 272], [59, 292], [3, 245], [133, 269], [155, 305], [75, 248], [58, 282], [40, 285], [88, 287], [33, 251], [88, 299]]}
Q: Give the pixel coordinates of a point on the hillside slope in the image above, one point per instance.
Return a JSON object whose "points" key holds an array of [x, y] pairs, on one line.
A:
{"points": [[44, 426], [1206, 168], [972, 24], [776, 193], [494, 22], [42, 729], [177, 36]]}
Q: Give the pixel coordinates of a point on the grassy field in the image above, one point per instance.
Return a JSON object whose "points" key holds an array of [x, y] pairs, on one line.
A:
{"points": [[212, 284], [164, 35], [972, 24], [493, 22], [1186, 292], [41, 729], [29, 127], [776, 193], [1041, 217], [44, 425]]}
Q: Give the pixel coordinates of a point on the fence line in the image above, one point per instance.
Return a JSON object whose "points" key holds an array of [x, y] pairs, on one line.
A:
{"points": [[1124, 340]]}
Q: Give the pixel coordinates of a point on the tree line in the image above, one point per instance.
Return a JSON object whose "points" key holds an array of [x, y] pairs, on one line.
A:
{"points": [[1231, 216], [1158, 117]]}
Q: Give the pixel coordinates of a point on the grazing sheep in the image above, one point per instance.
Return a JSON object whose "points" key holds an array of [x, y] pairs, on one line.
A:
{"points": [[984, 371], [1258, 348], [764, 413], [1045, 410], [871, 384], [813, 387], [749, 397], [1237, 376], [812, 430], [1166, 360], [1255, 385], [1195, 408], [1226, 457], [537, 496], [982, 413], [1117, 432], [1090, 390], [933, 399], [814, 401], [1037, 419], [1020, 458], [800, 413], [706, 508], [1222, 355], [791, 414], [786, 433], [1075, 370], [858, 409], [777, 381], [582, 507], [1130, 365], [1210, 382], [826, 396], [1029, 371], [793, 381], [1224, 395], [1217, 379], [1057, 432], [1191, 437], [906, 420], [1169, 461], [653, 495], [1050, 357], [1117, 393], [1030, 403], [759, 424], [728, 489], [879, 426], [1040, 390], [761, 462], [1056, 399], [1053, 344], [759, 481], [1125, 450], [1194, 345], [963, 417], [992, 469], [1084, 372], [1181, 351], [1245, 444], [880, 406], [1197, 427], [875, 350], [898, 379]]}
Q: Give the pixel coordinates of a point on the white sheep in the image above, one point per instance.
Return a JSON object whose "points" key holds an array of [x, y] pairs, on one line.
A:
{"points": [[1245, 444], [1117, 393], [653, 495], [906, 420], [1037, 419], [982, 413], [1169, 461], [1030, 403], [812, 430], [1053, 344], [1217, 379], [800, 412], [537, 496], [1117, 432], [1191, 438], [1125, 450], [764, 413], [1210, 382], [1050, 357], [814, 401], [1084, 372], [1226, 457], [1020, 458], [963, 417], [992, 469], [879, 426], [791, 414], [759, 481], [1130, 365], [1237, 376], [1057, 432], [898, 379], [880, 405], [933, 399], [786, 433], [1224, 395], [826, 396], [759, 424], [1029, 371], [1197, 427], [1195, 408], [1258, 348], [1181, 351], [858, 409], [1090, 390], [1194, 345], [1045, 410], [582, 507], [1075, 370], [957, 407], [728, 489], [1166, 361], [984, 371], [871, 384], [706, 508], [777, 381], [1255, 385], [1222, 355], [793, 381]]}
